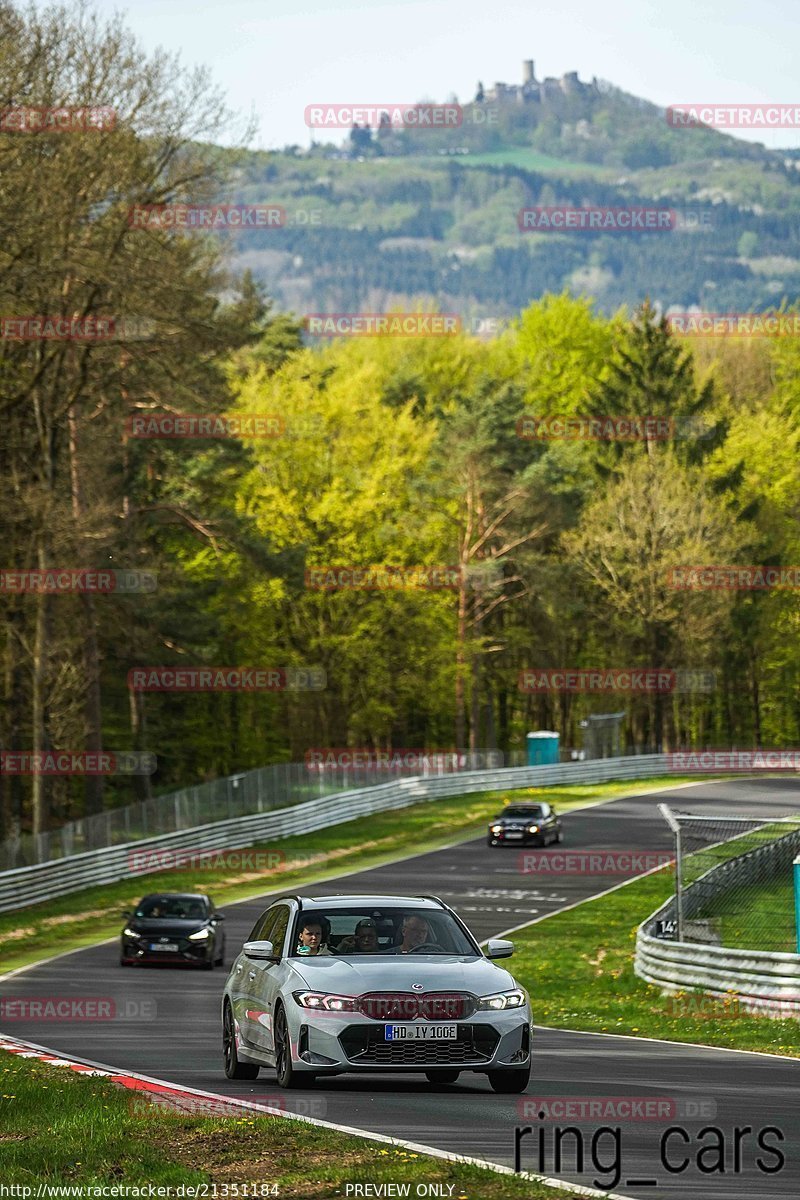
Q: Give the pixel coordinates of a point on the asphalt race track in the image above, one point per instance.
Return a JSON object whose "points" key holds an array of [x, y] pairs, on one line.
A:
{"points": [[181, 1040]]}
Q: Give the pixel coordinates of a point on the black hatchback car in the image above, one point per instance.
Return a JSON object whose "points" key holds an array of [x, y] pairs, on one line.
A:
{"points": [[174, 927], [525, 825]]}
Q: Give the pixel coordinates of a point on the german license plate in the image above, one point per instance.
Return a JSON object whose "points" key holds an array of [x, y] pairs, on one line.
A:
{"points": [[420, 1033], [513, 835], [171, 947]]}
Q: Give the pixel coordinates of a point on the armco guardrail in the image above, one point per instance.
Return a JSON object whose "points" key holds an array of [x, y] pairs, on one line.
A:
{"points": [[756, 976], [30, 885]]}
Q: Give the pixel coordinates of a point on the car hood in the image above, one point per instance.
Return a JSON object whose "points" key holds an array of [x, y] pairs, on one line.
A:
{"points": [[437, 973], [517, 821], [166, 926]]}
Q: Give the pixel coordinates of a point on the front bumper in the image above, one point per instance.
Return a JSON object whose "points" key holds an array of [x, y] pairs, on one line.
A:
{"points": [[189, 954], [350, 1042], [527, 839]]}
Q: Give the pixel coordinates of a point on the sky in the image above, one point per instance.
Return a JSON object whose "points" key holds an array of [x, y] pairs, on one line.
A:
{"points": [[274, 57]]}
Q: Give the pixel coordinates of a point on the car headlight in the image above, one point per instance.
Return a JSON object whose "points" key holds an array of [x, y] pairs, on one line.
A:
{"points": [[200, 936], [515, 999], [533, 829], [326, 1001], [130, 933], [497, 828]]}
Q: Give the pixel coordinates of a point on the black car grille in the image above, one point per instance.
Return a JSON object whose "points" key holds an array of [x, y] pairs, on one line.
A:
{"points": [[406, 1006], [366, 1044]]}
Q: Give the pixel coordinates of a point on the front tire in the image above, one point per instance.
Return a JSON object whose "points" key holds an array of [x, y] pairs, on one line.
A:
{"points": [[514, 1080], [442, 1076], [285, 1072], [233, 1068]]}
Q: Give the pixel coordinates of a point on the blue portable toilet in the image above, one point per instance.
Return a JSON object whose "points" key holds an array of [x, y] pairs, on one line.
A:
{"points": [[542, 747]]}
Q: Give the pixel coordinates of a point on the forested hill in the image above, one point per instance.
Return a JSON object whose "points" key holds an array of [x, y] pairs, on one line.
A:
{"points": [[431, 216]]}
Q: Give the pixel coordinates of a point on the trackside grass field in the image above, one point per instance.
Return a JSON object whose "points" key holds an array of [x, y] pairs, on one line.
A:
{"points": [[766, 922], [89, 916], [59, 1128], [578, 967]]}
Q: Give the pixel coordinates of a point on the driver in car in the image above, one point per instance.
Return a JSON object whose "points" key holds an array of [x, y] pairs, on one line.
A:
{"points": [[415, 931]]}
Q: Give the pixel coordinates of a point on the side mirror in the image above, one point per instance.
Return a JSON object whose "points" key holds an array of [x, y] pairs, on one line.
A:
{"points": [[499, 948], [260, 950], [219, 916]]}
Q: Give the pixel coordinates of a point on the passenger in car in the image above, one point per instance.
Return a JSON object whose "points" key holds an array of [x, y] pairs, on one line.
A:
{"points": [[312, 931], [363, 941]]}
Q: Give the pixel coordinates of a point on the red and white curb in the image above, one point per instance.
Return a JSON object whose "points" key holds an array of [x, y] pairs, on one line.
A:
{"points": [[161, 1092]]}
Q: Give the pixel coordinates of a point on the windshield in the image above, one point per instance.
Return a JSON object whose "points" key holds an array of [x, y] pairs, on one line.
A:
{"points": [[366, 930], [532, 813], [171, 908]]}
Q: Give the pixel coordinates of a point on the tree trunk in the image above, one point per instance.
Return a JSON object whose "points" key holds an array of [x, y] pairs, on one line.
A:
{"points": [[94, 787], [141, 783], [475, 704], [756, 696], [40, 793], [461, 636]]}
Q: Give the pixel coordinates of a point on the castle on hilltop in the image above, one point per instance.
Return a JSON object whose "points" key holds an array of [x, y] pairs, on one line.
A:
{"points": [[533, 91]]}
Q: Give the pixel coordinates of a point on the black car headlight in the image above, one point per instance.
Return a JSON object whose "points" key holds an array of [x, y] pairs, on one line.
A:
{"points": [[202, 935], [533, 829], [131, 933], [502, 1000], [496, 828]]}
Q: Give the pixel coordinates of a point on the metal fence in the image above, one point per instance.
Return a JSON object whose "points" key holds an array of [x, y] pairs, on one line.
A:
{"points": [[32, 884], [729, 929], [733, 879], [249, 792]]}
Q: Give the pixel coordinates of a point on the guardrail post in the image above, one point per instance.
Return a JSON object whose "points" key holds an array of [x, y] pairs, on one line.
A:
{"points": [[796, 868], [676, 830]]}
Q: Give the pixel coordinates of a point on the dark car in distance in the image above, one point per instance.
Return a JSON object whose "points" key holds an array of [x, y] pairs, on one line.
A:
{"points": [[174, 927], [525, 825]]}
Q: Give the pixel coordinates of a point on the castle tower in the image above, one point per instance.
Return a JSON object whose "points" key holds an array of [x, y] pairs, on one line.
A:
{"points": [[528, 75]]}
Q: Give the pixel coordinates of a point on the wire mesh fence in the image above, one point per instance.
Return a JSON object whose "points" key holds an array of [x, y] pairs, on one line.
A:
{"points": [[734, 882], [277, 786]]}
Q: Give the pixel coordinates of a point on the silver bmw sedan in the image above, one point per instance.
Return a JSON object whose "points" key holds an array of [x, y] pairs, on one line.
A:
{"points": [[371, 984]]}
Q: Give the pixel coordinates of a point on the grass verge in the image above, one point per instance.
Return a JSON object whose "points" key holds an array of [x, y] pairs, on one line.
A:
{"points": [[89, 916], [762, 918], [578, 967], [60, 1128]]}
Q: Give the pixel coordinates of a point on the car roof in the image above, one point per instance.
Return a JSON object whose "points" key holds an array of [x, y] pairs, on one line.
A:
{"points": [[348, 901]]}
